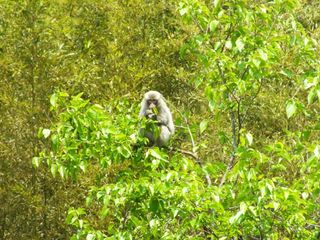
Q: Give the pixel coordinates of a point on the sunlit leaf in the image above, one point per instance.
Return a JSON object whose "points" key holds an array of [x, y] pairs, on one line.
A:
{"points": [[216, 3], [36, 162], [203, 126], [256, 62], [263, 55], [90, 236], [183, 11], [304, 195], [124, 151], [291, 108], [316, 152], [53, 99], [82, 166], [239, 44], [249, 138], [61, 170], [46, 133], [156, 154], [213, 25], [311, 96], [228, 44], [53, 169]]}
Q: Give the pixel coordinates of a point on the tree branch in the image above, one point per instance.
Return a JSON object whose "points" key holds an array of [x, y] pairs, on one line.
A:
{"points": [[193, 154]]}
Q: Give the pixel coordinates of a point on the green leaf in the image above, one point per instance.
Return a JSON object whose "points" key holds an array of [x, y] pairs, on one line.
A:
{"points": [[310, 82], [53, 169], [55, 142], [154, 152], [152, 223], [175, 213], [256, 62], [286, 194], [54, 99], [213, 25], [217, 45], [236, 218], [270, 186], [253, 210], [239, 44], [124, 151], [62, 171], [311, 96], [100, 195], [168, 176], [203, 126], [287, 73], [183, 11], [316, 152], [318, 92], [82, 166], [46, 132], [228, 44], [154, 205], [217, 3], [104, 212], [249, 138], [291, 108], [36, 162], [80, 223], [275, 205], [263, 55], [304, 195], [90, 236]]}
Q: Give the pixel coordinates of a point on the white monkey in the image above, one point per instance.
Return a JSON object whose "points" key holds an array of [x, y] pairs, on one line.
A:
{"points": [[153, 106]]}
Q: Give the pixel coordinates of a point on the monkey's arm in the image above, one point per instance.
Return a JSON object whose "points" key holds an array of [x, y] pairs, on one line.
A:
{"points": [[162, 120], [165, 119]]}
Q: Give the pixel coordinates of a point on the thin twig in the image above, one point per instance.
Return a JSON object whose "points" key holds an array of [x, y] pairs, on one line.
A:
{"points": [[232, 117], [186, 152], [233, 129], [239, 122], [191, 136], [193, 154], [230, 166]]}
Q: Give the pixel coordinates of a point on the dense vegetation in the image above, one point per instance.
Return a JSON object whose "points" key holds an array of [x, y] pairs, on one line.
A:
{"points": [[241, 78]]}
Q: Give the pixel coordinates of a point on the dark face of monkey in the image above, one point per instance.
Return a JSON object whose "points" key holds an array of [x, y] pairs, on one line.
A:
{"points": [[152, 110], [152, 103]]}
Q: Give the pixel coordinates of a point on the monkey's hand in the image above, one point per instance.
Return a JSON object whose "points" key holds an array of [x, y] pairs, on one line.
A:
{"points": [[150, 114]]}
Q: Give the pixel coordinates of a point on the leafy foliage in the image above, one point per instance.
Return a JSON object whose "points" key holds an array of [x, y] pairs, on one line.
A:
{"points": [[147, 193], [242, 79], [139, 189]]}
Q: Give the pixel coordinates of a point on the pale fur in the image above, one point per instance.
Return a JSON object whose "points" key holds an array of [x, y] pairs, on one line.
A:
{"points": [[164, 117]]}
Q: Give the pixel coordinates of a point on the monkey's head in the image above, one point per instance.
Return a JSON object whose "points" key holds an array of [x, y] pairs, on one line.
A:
{"points": [[152, 99], [152, 105]]}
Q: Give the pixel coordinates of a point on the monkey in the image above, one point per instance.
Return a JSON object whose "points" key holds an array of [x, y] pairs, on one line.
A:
{"points": [[154, 107]]}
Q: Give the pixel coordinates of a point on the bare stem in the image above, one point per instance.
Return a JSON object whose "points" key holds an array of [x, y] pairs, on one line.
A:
{"points": [[193, 154]]}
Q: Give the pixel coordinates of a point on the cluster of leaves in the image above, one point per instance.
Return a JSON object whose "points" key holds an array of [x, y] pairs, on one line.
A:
{"points": [[85, 134], [105, 49], [147, 193], [253, 60], [150, 194], [242, 47]]}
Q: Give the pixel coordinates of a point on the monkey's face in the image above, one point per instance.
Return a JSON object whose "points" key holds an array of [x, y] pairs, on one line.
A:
{"points": [[152, 111], [152, 103]]}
